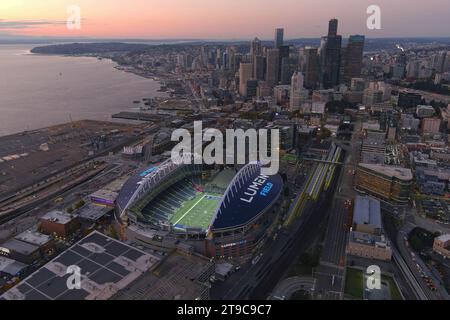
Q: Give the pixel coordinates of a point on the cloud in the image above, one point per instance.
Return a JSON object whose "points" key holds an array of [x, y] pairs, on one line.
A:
{"points": [[26, 24]]}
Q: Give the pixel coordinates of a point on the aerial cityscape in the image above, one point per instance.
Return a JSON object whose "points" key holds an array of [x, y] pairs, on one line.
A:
{"points": [[193, 161]]}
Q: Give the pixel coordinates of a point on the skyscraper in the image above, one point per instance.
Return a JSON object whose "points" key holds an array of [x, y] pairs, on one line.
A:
{"points": [[330, 56], [259, 67], [288, 67], [332, 28], [255, 48], [245, 74], [283, 56], [311, 63], [259, 63], [296, 90], [352, 58], [272, 66], [279, 37]]}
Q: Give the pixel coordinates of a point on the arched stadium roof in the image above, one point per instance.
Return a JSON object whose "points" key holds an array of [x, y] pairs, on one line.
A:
{"points": [[247, 196], [140, 184]]}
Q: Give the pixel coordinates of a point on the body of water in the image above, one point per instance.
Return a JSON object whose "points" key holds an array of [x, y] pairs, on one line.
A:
{"points": [[38, 91]]}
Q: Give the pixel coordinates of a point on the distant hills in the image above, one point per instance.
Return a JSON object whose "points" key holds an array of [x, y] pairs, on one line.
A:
{"points": [[89, 48], [80, 48]]}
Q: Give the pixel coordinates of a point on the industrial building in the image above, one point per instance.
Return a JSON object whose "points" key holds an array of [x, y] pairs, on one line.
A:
{"points": [[107, 266], [179, 276], [366, 237], [21, 251]]}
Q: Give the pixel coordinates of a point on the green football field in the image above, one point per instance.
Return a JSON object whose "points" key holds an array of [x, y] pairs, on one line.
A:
{"points": [[198, 212]]}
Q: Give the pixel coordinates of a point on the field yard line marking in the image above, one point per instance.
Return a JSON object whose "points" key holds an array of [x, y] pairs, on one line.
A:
{"points": [[190, 209]]}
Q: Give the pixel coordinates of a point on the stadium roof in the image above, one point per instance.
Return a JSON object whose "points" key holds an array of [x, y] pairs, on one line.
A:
{"points": [[144, 181], [248, 195], [107, 265]]}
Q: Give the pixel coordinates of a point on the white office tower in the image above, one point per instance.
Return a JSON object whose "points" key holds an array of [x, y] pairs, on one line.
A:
{"points": [[297, 91]]}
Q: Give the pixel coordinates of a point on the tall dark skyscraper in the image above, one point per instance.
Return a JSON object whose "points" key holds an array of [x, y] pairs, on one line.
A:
{"points": [[312, 67], [330, 56], [272, 66], [352, 58], [284, 55], [279, 37], [332, 28], [259, 67]]}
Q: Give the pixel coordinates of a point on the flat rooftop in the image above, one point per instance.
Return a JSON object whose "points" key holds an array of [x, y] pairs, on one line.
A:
{"points": [[10, 266], [369, 239], [58, 216], [367, 212], [92, 212], [107, 266], [19, 247], [179, 276], [33, 237], [390, 171]]}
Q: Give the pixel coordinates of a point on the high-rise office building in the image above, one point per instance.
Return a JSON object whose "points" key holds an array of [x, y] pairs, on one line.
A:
{"points": [[297, 89], [279, 37], [252, 88], [283, 56], [272, 66], [352, 58], [236, 60], [330, 56], [332, 27], [288, 67], [259, 67], [245, 74], [311, 67], [255, 48], [438, 61]]}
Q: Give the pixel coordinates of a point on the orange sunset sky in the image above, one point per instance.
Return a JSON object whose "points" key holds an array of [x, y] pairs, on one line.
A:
{"points": [[221, 19]]}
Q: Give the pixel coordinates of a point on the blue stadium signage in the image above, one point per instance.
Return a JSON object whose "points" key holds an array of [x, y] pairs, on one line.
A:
{"points": [[254, 188], [148, 171], [265, 191]]}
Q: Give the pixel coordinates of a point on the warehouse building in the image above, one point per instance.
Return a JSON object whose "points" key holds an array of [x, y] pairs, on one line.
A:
{"points": [[366, 237]]}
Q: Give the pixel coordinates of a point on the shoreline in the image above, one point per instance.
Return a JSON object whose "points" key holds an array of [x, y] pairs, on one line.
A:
{"points": [[108, 114]]}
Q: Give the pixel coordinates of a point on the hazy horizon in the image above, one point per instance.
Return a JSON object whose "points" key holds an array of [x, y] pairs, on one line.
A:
{"points": [[220, 20]]}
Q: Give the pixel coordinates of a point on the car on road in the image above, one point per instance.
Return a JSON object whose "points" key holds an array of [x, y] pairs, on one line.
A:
{"points": [[256, 259]]}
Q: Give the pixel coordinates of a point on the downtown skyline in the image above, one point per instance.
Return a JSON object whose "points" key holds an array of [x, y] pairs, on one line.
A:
{"points": [[219, 20]]}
